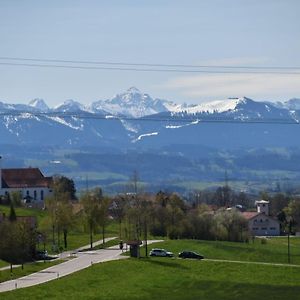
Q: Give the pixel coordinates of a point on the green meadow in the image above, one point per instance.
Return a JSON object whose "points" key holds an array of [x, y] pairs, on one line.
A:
{"points": [[273, 250], [163, 278]]}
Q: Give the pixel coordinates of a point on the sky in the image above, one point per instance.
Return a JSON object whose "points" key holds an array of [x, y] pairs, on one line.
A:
{"points": [[264, 33]]}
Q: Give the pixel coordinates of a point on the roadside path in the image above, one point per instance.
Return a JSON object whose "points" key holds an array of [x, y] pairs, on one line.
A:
{"points": [[82, 261], [252, 262]]}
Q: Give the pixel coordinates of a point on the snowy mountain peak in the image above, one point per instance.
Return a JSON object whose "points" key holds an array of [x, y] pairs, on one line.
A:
{"points": [[133, 103], [292, 104], [215, 106], [39, 104], [69, 106], [133, 90]]}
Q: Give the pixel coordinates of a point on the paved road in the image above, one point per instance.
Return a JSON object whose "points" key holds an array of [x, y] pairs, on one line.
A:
{"points": [[83, 260], [253, 262], [66, 254]]}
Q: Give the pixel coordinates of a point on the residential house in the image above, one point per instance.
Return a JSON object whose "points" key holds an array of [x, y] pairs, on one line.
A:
{"points": [[260, 222]]}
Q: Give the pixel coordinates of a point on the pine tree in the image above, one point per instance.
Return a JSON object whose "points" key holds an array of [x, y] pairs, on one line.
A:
{"points": [[12, 214]]}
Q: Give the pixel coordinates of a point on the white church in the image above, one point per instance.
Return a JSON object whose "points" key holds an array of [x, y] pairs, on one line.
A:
{"points": [[30, 182]]}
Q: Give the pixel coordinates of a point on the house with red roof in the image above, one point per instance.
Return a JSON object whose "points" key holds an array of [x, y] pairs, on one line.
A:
{"points": [[260, 223], [30, 182]]}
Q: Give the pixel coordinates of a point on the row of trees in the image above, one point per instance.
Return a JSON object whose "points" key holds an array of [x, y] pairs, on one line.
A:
{"points": [[18, 240], [66, 213], [162, 214], [223, 196], [138, 215], [168, 215]]}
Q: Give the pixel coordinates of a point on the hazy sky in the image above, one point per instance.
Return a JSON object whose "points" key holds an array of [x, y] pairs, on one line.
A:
{"points": [[214, 32]]}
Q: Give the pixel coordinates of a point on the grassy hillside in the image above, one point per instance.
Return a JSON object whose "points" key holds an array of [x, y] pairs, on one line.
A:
{"points": [[163, 278], [275, 250]]}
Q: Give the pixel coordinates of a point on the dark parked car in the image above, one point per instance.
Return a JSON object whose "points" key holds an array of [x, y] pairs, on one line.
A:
{"points": [[43, 255], [161, 252], [190, 254]]}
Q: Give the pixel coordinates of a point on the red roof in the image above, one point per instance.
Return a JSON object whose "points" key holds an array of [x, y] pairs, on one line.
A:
{"points": [[250, 214], [24, 178]]}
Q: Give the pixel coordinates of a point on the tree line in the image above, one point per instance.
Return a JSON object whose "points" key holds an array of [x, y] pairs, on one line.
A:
{"points": [[137, 215]]}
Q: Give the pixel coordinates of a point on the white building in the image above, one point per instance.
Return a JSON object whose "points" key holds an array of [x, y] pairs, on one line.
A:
{"points": [[260, 222], [30, 182]]}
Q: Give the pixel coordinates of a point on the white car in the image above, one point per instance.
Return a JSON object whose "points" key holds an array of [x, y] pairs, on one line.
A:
{"points": [[161, 253]]}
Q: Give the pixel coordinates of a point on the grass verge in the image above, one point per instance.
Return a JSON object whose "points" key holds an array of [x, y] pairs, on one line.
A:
{"points": [[28, 269]]}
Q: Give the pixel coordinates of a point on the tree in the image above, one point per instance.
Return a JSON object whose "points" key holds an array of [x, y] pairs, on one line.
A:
{"points": [[63, 184], [146, 210], [235, 225], [16, 198], [91, 201], [17, 242], [12, 213], [65, 218], [175, 209], [293, 212], [103, 215], [118, 209], [60, 208], [278, 203], [223, 196]]}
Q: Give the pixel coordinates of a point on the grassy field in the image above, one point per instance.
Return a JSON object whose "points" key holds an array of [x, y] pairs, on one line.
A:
{"points": [[3, 263], [163, 278], [275, 250], [21, 211], [28, 269]]}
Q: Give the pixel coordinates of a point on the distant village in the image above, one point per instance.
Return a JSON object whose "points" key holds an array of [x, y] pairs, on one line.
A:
{"points": [[33, 188]]}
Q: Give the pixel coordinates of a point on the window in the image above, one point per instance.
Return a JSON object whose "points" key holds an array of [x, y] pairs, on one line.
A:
{"points": [[272, 228], [42, 195], [264, 228], [27, 193], [34, 195]]}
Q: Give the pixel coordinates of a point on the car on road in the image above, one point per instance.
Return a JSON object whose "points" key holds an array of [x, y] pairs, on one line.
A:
{"points": [[161, 253], [190, 254]]}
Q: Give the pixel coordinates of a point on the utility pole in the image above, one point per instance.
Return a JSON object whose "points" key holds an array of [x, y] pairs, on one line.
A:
{"points": [[289, 232], [0, 173]]}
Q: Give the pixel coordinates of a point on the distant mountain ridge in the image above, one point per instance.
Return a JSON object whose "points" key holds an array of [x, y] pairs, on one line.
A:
{"points": [[136, 104], [136, 119]]}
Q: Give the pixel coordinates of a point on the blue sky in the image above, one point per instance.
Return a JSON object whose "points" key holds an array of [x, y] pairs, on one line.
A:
{"points": [[214, 32]]}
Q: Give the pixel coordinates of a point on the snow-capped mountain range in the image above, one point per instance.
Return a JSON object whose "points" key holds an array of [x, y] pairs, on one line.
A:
{"points": [[134, 103], [135, 118]]}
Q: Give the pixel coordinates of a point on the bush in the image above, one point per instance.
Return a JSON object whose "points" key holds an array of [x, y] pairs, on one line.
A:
{"points": [[263, 241]]}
